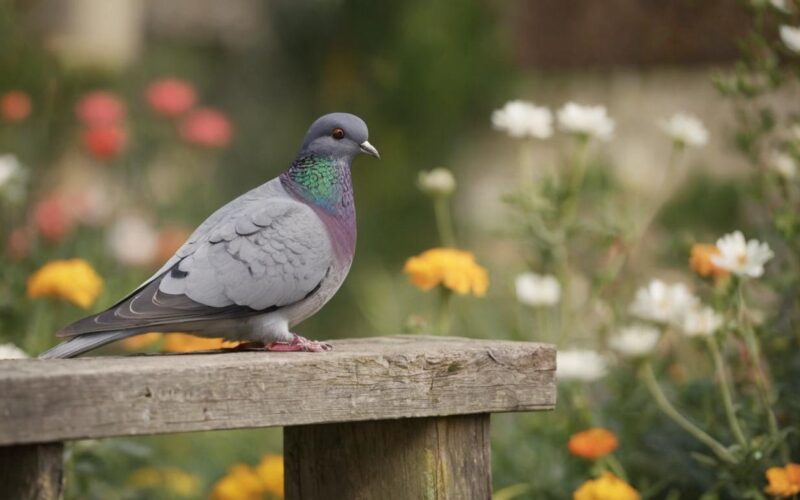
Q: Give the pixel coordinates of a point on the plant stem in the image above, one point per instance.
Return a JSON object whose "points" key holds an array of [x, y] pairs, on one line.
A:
{"points": [[443, 313], [615, 467], [526, 161], [663, 403], [725, 389], [444, 223], [762, 386], [577, 175]]}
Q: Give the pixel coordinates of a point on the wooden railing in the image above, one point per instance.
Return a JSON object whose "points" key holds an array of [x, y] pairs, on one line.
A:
{"points": [[395, 417]]}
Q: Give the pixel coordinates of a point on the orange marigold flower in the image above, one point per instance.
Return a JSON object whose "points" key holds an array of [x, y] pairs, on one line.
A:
{"points": [[139, 341], [245, 483], [183, 342], [175, 481], [593, 443], [452, 268], [270, 471], [701, 263], [241, 483], [73, 280], [783, 481], [606, 487]]}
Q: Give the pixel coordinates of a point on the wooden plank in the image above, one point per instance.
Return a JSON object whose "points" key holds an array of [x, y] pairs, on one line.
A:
{"points": [[426, 458], [32, 471], [364, 379]]}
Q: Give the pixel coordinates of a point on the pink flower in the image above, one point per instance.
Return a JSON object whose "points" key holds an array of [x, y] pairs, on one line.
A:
{"points": [[53, 220], [100, 108], [170, 97], [206, 127], [15, 106], [104, 142], [18, 244]]}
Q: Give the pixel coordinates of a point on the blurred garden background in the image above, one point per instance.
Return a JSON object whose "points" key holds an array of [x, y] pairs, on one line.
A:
{"points": [[595, 156]]}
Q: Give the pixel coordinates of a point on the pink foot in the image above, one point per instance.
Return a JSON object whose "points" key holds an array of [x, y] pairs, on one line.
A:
{"points": [[299, 343]]}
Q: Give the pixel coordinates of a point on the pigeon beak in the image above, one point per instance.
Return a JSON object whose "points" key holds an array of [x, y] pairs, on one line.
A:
{"points": [[369, 149]]}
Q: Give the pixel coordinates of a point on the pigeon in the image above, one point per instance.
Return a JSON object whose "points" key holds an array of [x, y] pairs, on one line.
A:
{"points": [[259, 265]]}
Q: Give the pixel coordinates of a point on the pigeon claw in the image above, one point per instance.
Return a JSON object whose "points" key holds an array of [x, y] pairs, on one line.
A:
{"points": [[299, 344]]}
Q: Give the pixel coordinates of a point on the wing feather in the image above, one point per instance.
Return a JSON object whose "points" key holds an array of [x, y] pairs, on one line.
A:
{"points": [[268, 254]]}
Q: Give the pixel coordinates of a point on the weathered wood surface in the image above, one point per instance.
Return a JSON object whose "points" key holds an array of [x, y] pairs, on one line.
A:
{"points": [[437, 458], [33, 471], [361, 379]]}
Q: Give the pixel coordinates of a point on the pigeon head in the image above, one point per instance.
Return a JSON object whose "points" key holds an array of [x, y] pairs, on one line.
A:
{"points": [[339, 135]]}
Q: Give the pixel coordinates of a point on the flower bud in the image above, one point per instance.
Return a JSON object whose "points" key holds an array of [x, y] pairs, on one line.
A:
{"points": [[437, 182]]}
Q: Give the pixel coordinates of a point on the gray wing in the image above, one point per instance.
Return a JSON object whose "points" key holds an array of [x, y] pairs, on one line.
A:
{"points": [[253, 256]]}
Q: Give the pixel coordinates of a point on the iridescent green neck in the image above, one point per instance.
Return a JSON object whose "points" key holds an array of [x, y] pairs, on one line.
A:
{"points": [[321, 180]]}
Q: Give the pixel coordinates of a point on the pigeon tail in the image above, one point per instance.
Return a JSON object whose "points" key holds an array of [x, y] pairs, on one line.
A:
{"points": [[83, 343]]}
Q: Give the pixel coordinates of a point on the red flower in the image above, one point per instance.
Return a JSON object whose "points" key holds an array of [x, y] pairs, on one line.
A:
{"points": [[104, 142], [52, 218], [206, 127], [15, 106], [170, 97], [100, 108]]}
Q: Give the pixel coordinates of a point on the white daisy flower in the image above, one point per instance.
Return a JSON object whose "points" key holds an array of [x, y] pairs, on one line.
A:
{"points": [[701, 322], [663, 303], [437, 182], [523, 119], [10, 351], [13, 178], [791, 37], [635, 341], [536, 290], [591, 121], [685, 129], [743, 258], [583, 365], [783, 164], [133, 240]]}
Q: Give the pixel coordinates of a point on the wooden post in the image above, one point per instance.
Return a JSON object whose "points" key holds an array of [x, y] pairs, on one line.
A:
{"points": [[434, 458], [32, 471]]}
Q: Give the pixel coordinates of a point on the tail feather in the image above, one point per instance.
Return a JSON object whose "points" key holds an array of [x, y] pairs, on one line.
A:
{"points": [[80, 344]]}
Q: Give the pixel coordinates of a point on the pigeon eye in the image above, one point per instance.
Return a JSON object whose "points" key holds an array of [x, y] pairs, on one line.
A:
{"points": [[337, 134]]}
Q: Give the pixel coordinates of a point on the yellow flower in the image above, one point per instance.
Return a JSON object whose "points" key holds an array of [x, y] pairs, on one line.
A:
{"points": [[270, 470], [171, 479], [592, 443], [73, 280], [183, 342], [245, 483], [452, 268], [606, 487], [783, 481], [139, 341], [241, 483], [700, 261]]}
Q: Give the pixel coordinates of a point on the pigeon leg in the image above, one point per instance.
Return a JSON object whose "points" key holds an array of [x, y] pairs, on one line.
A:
{"points": [[299, 343]]}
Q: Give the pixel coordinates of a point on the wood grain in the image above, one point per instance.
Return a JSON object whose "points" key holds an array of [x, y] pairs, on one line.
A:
{"points": [[437, 458], [32, 471], [364, 379]]}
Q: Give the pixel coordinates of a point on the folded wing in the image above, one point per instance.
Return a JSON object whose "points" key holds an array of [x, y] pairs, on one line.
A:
{"points": [[256, 256]]}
